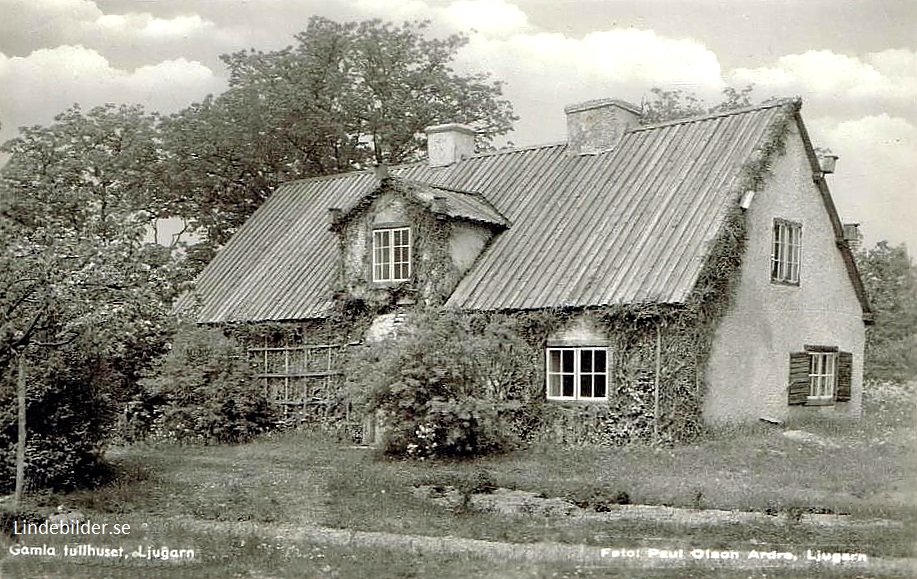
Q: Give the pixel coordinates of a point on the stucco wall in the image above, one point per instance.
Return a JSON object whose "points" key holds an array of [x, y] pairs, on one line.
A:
{"points": [[579, 332], [357, 235], [748, 369], [466, 242]]}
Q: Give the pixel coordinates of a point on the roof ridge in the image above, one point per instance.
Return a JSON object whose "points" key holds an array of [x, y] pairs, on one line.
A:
{"points": [[523, 148], [503, 151], [781, 102]]}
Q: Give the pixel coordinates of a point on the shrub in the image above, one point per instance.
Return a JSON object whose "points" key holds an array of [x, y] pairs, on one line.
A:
{"points": [[204, 391], [446, 389], [69, 414]]}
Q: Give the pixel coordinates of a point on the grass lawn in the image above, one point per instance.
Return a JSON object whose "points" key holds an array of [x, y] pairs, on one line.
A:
{"points": [[170, 494], [755, 469]]}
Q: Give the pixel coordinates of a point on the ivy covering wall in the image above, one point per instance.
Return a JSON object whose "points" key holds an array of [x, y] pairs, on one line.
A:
{"points": [[660, 351]]}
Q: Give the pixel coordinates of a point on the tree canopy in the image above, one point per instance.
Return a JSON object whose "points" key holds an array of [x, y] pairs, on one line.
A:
{"points": [[75, 199], [890, 279], [82, 297], [668, 105], [344, 96]]}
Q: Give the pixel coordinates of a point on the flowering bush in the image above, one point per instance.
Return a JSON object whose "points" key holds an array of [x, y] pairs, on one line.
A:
{"points": [[444, 388]]}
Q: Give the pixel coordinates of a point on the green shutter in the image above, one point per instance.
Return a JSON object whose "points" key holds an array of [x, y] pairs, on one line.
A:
{"points": [[798, 391], [844, 371]]}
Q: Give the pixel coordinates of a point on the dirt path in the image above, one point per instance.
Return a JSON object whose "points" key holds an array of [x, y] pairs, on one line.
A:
{"points": [[617, 556]]}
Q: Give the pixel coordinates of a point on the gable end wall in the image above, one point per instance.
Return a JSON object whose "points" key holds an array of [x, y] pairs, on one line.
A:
{"points": [[747, 372]]}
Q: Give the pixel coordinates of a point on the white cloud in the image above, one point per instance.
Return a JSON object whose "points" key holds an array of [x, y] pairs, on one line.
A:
{"points": [[639, 58], [52, 22], [489, 17], [392, 10], [876, 179], [889, 76], [541, 68], [145, 26], [179, 26], [47, 11], [40, 85], [896, 63]]}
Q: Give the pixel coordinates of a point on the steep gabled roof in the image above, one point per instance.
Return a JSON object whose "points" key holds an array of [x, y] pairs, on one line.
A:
{"points": [[626, 226]]}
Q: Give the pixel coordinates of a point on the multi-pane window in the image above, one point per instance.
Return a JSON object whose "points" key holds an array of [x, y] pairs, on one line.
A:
{"points": [[577, 373], [821, 375], [786, 252], [392, 254]]}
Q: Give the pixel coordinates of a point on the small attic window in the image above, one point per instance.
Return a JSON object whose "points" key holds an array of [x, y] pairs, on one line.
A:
{"points": [[392, 254]]}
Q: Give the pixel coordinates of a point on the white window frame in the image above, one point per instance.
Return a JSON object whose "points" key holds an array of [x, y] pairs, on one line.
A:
{"points": [[555, 376], [786, 252], [822, 377], [391, 259]]}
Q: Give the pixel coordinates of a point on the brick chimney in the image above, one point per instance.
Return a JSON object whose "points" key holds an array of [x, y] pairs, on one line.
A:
{"points": [[448, 144], [597, 126]]}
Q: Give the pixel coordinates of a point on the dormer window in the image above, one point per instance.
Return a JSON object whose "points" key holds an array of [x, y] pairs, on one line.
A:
{"points": [[392, 254]]}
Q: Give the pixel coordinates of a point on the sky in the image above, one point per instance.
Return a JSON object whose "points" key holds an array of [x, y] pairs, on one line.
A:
{"points": [[853, 62]]}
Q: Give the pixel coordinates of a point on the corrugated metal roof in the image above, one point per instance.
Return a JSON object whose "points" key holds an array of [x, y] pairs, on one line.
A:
{"points": [[460, 204], [441, 200], [626, 226]]}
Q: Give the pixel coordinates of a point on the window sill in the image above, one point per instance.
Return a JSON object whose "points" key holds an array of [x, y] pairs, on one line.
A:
{"points": [[784, 283], [393, 283], [576, 401], [820, 402]]}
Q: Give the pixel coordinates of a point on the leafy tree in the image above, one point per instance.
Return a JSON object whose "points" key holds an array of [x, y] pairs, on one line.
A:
{"points": [[890, 279], [345, 95], [81, 295], [669, 105]]}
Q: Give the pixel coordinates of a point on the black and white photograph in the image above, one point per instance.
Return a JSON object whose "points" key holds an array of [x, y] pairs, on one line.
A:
{"points": [[504, 289]]}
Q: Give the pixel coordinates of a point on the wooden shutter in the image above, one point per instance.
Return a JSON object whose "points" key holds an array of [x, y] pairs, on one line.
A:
{"points": [[798, 391], [844, 371]]}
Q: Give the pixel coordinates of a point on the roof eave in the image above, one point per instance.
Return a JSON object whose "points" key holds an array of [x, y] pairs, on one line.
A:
{"points": [[846, 254]]}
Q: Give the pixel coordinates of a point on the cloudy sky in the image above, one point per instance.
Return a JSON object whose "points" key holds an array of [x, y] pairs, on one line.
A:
{"points": [[854, 63]]}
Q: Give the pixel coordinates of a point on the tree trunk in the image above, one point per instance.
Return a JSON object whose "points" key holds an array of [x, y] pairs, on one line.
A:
{"points": [[20, 448]]}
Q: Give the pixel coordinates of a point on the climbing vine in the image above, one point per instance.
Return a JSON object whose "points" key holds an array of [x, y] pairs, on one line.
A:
{"points": [[434, 275], [660, 351]]}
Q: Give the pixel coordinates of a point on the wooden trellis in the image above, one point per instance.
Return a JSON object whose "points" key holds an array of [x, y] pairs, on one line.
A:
{"points": [[302, 378]]}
